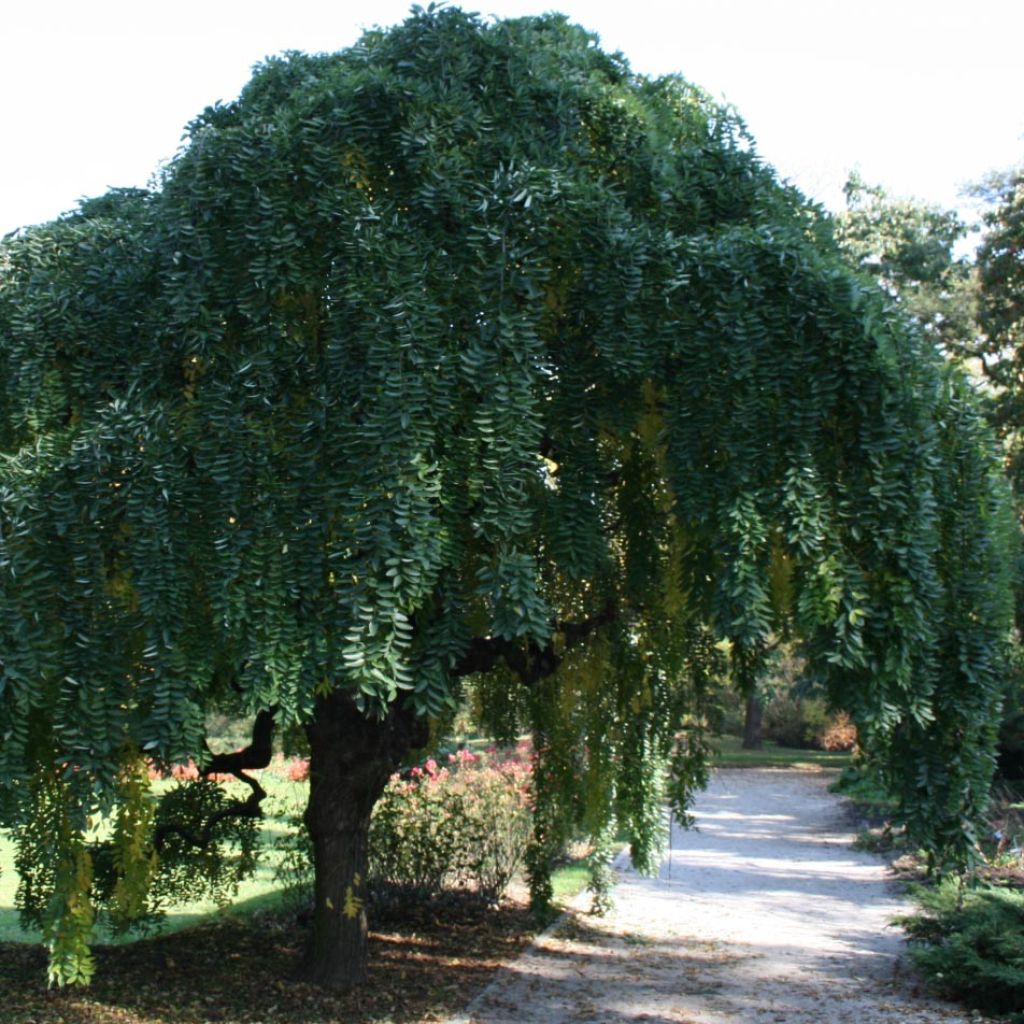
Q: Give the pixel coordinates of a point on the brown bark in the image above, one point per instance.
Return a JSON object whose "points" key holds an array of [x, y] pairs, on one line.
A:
{"points": [[351, 759], [752, 738]]}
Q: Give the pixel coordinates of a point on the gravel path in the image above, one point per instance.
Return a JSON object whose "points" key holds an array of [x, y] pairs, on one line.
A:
{"points": [[765, 915]]}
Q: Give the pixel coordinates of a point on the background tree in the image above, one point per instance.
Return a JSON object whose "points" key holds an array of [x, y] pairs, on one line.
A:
{"points": [[909, 247], [1000, 262], [999, 341], [464, 351]]}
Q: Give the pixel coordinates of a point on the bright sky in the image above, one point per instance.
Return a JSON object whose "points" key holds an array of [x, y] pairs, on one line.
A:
{"points": [[922, 96]]}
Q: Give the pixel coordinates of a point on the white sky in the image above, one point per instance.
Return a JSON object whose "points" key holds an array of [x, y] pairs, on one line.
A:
{"points": [[922, 96]]}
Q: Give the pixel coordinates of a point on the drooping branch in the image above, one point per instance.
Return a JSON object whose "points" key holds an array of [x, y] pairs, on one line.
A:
{"points": [[256, 755]]}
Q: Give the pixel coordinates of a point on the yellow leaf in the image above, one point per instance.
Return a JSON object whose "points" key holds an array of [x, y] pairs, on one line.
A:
{"points": [[353, 904]]}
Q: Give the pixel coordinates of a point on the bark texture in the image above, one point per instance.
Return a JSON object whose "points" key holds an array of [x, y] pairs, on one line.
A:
{"points": [[351, 759], [752, 723]]}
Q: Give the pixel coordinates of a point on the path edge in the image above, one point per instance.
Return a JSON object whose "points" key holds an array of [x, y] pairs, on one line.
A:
{"points": [[620, 864]]}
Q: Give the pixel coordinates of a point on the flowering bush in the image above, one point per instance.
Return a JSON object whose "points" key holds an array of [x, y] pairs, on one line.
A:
{"points": [[295, 769], [463, 824]]}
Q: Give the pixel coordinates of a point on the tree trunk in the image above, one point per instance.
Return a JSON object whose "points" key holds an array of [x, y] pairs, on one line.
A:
{"points": [[351, 759], [752, 723]]}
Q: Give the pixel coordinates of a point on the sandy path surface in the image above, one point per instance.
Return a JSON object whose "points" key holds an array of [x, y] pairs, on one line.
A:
{"points": [[763, 916]]}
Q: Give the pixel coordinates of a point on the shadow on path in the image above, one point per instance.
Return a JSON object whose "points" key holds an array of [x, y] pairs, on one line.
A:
{"points": [[763, 914]]}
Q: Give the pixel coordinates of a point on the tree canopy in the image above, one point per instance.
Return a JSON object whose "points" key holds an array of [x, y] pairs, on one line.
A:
{"points": [[469, 351]]}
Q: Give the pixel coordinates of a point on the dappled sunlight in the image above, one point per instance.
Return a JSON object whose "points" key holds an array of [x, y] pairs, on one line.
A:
{"points": [[762, 916], [738, 816]]}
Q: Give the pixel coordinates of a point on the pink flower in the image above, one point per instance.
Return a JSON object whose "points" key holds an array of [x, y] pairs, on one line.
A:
{"points": [[298, 769]]}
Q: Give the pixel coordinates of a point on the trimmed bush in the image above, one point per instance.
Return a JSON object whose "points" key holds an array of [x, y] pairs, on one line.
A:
{"points": [[462, 826]]}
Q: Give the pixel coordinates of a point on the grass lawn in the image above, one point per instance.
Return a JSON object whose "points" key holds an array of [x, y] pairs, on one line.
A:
{"points": [[426, 962], [287, 797], [730, 754]]}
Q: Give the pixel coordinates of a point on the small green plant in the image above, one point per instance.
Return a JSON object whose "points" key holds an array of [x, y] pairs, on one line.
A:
{"points": [[876, 840], [970, 944], [864, 789]]}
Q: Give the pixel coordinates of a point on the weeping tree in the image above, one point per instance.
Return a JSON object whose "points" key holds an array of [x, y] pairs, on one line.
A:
{"points": [[465, 352]]}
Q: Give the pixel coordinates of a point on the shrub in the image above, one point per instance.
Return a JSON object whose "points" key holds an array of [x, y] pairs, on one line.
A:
{"points": [[971, 945], [497, 824], [839, 734], [806, 724], [415, 833], [465, 825], [792, 722], [461, 825]]}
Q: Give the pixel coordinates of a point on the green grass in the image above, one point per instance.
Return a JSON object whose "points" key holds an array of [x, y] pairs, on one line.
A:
{"points": [[10, 929], [262, 891], [568, 881], [730, 754]]}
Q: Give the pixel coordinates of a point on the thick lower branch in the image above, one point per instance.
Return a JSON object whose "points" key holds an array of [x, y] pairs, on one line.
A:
{"points": [[530, 662], [248, 808], [256, 755]]}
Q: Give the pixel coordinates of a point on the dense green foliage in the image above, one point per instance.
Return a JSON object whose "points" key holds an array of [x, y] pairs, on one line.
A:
{"points": [[971, 944], [469, 349], [972, 308]]}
